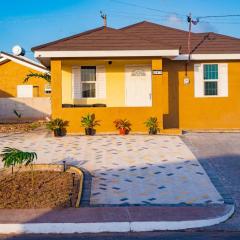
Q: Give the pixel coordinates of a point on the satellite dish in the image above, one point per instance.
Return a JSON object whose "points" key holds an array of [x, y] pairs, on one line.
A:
{"points": [[17, 50]]}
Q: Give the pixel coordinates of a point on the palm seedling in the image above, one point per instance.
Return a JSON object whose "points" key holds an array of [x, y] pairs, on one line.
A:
{"points": [[45, 76], [12, 157]]}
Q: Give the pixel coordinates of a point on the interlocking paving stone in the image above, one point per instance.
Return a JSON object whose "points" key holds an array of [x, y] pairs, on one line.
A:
{"points": [[120, 171]]}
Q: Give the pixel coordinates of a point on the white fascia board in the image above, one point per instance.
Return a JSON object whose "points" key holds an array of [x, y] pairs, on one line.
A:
{"points": [[3, 59], [115, 53], [230, 56], [25, 63]]}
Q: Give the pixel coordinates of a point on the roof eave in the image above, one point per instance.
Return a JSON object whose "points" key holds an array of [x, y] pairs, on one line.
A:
{"points": [[108, 53], [207, 56], [23, 62]]}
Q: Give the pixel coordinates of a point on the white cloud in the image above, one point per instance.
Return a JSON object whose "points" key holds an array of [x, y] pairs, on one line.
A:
{"points": [[205, 27], [174, 19]]}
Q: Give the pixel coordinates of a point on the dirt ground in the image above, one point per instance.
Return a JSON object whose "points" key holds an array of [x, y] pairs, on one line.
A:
{"points": [[50, 189], [21, 127]]}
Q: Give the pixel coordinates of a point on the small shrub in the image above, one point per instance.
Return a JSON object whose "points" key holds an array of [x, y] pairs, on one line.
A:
{"points": [[152, 125], [89, 122], [123, 125], [57, 126]]}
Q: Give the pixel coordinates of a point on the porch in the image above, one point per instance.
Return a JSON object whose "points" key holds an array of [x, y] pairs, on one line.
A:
{"points": [[110, 88]]}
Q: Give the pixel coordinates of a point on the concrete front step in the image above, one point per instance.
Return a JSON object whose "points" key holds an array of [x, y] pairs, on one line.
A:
{"points": [[171, 131], [112, 219]]}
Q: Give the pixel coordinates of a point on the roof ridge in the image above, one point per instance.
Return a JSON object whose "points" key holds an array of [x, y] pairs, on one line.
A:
{"points": [[141, 38], [156, 24], [132, 25], [70, 37]]}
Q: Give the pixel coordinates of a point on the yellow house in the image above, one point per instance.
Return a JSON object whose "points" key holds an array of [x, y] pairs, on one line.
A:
{"points": [[145, 70], [13, 71]]}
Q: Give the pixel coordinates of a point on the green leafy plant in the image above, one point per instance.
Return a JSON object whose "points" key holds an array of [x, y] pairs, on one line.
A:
{"points": [[123, 125], [57, 126], [152, 125], [45, 76], [13, 157], [89, 122]]}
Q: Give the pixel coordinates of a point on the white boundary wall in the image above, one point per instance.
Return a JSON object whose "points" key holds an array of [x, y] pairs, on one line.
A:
{"points": [[30, 109]]}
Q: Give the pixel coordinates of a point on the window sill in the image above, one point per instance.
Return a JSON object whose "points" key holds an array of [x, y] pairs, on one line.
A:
{"points": [[83, 105], [213, 96]]}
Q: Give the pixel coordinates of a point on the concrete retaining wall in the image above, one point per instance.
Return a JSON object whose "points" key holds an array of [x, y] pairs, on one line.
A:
{"points": [[30, 109]]}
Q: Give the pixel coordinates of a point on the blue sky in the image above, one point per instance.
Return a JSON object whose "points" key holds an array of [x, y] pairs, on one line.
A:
{"points": [[33, 22]]}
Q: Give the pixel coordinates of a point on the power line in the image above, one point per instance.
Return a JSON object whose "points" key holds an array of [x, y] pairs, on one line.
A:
{"points": [[143, 14], [219, 16], [140, 15], [213, 22], [144, 7]]}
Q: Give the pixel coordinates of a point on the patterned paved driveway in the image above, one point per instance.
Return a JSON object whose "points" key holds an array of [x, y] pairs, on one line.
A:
{"points": [[132, 169]]}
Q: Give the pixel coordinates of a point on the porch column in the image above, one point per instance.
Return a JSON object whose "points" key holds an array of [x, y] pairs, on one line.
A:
{"points": [[56, 83], [157, 90]]}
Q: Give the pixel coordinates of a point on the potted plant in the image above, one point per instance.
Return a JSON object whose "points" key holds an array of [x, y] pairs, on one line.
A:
{"points": [[152, 125], [123, 125], [57, 126], [89, 122]]}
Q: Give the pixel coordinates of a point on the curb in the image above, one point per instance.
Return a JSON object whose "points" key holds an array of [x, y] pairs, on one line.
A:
{"points": [[97, 227]]}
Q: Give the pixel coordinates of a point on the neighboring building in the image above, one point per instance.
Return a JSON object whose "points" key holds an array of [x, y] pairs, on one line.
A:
{"points": [[20, 101], [13, 70], [141, 71]]}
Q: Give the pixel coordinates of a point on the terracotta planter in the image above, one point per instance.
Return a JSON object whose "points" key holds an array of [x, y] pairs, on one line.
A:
{"points": [[123, 131]]}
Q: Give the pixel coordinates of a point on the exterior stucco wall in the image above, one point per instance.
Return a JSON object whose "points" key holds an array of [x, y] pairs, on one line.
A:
{"points": [[183, 110], [173, 102], [13, 74], [136, 115], [115, 81]]}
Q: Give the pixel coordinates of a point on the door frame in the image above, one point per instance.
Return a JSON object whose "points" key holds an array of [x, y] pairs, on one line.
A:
{"points": [[125, 84]]}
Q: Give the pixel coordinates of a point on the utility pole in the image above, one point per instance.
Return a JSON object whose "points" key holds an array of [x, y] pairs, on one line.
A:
{"points": [[104, 17], [190, 22], [189, 19]]}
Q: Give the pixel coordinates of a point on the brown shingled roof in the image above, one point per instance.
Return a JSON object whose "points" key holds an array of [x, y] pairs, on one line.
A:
{"points": [[104, 38], [144, 36], [214, 43]]}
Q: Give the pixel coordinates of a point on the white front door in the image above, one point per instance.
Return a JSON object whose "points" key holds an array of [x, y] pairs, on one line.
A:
{"points": [[138, 86]]}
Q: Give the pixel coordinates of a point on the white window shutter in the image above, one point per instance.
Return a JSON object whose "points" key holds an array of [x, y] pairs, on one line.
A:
{"points": [[223, 79], [76, 83], [100, 82], [198, 80]]}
